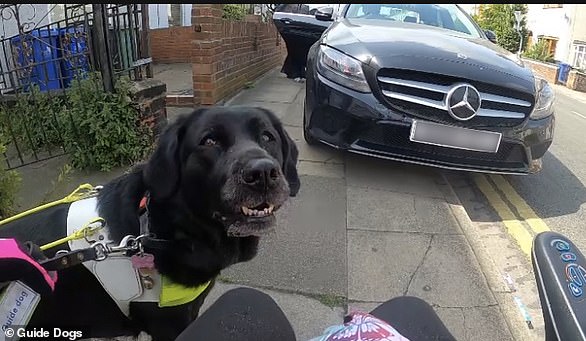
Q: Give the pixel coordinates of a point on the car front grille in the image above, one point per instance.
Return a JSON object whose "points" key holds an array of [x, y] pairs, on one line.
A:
{"points": [[395, 139], [424, 95]]}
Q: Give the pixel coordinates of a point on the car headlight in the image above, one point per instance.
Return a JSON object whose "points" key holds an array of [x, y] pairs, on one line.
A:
{"points": [[545, 99], [341, 69]]}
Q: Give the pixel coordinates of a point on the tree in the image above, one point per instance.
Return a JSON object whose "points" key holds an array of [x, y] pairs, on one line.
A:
{"points": [[500, 18]]}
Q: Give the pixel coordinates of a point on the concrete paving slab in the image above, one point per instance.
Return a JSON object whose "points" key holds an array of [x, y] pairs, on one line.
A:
{"points": [[293, 119], [515, 319], [380, 264], [450, 276], [280, 109], [308, 251], [390, 211], [269, 91], [362, 306], [485, 323], [300, 310], [177, 76], [368, 172], [318, 153], [326, 170], [453, 319]]}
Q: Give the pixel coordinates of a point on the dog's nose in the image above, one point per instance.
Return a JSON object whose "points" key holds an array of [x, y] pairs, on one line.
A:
{"points": [[261, 173]]}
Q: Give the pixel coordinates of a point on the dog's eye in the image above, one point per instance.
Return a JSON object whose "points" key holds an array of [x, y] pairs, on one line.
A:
{"points": [[267, 137], [209, 141]]}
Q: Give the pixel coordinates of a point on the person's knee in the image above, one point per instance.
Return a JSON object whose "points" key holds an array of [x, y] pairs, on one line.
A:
{"points": [[403, 305], [244, 294], [409, 301]]}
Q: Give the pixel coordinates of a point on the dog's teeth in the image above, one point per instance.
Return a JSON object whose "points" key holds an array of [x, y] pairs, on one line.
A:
{"points": [[270, 209], [266, 211], [245, 210]]}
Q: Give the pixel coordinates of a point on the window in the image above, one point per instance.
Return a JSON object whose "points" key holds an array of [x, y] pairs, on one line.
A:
{"points": [[579, 61], [444, 16], [175, 12], [553, 5]]}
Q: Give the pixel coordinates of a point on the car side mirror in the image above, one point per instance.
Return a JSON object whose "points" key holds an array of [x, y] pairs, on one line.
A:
{"points": [[490, 35], [324, 14]]}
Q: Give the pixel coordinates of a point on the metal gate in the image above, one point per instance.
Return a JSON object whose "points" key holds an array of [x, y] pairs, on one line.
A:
{"points": [[44, 50]]}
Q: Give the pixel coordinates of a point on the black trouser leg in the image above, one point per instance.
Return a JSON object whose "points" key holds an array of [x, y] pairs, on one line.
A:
{"points": [[413, 318], [241, 314]]}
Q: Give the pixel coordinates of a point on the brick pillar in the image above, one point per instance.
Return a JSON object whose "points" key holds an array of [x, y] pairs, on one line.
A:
{"points": [[148, 96], [206, 20]]}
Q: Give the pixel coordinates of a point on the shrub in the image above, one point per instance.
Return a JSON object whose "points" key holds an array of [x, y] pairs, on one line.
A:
{"points": [[100, 130], [33, 119], [104, 130], [540, 52], [233, 12], [9, 185]]}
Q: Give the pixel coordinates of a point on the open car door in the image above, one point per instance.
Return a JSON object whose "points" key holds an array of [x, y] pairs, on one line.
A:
{"points": [[300, 28]]}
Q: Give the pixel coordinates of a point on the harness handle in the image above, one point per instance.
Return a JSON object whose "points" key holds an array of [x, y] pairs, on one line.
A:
{"points": [[85, 231], [82, 192]]}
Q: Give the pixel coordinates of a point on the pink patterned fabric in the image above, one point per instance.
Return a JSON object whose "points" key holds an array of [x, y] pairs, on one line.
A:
{"points": [[9, 250], [362, 327]]}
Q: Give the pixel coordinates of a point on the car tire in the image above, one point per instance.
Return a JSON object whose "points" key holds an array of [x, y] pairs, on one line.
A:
{"points": [[310, 140]]}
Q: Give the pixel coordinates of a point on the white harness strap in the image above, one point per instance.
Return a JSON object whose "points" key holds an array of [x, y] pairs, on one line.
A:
{"points": [[116, 274]]}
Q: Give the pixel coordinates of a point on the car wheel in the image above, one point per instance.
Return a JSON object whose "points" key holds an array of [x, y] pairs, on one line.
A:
{"points": [[312, 141]]}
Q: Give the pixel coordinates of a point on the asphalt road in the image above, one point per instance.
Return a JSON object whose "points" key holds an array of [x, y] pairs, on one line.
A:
{"points": [[510, 210], [555, 195]]}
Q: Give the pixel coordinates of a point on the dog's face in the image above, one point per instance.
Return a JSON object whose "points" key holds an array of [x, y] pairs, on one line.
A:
{"points": [[236, 165]]}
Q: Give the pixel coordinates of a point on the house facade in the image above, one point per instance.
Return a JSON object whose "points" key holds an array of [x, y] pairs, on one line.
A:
{"points": [[563, 28]]}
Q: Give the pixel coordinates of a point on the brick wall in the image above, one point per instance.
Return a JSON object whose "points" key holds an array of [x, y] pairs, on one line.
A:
{"points": [[228, 54], [148, 96], [172, 44], [576, 81], [544, 70]]}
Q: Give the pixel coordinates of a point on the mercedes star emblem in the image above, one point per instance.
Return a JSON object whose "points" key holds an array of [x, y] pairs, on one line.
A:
{"points": [[463, 102]]}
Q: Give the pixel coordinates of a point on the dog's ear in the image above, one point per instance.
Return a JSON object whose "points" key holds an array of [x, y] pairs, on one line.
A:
{"points": [[290, 154], [162, 172]]}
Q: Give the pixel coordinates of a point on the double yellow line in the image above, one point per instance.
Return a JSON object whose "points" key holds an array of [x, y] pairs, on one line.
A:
{"points": [[498, 193]]}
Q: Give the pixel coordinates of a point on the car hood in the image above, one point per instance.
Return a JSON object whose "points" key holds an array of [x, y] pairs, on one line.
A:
{"points": [[391, 44]]}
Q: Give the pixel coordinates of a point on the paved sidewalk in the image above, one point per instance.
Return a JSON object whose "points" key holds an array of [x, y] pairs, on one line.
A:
{"points": [[361, 231]]}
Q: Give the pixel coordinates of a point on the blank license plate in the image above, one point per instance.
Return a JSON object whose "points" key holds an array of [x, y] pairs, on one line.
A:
{"points": [[455, 137]]}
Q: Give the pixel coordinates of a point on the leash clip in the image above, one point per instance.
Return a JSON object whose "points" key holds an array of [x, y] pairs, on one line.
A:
{"points": [[101, 251]]}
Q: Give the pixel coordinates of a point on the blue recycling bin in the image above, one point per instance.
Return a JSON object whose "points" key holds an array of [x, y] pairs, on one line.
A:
{"points": [[37, 59], [564, 72], [74, 54]]}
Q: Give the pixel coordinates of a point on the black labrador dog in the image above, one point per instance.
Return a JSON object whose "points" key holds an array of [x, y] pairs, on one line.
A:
{"points": [[215, 181]]}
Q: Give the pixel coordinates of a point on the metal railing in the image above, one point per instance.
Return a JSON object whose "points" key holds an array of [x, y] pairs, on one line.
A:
{"points": [[45, 49]]}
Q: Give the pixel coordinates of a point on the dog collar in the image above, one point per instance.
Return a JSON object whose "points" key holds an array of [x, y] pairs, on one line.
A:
{"points": [[151, 241]]}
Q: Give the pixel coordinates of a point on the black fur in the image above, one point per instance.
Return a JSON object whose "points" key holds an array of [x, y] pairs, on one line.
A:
{"points": [[197, 187]]}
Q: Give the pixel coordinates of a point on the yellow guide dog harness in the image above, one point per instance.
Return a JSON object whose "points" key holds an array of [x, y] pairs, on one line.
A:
{"points": [[126, 279]]}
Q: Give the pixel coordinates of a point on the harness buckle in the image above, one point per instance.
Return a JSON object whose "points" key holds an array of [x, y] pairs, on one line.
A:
{"points": [[101, 251]]}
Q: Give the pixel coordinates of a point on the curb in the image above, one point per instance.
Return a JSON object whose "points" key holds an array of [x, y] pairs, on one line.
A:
{"points": [[494, 278]]}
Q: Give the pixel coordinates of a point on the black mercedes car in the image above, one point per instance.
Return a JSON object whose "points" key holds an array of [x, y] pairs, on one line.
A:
{"points": [[424, 84]]}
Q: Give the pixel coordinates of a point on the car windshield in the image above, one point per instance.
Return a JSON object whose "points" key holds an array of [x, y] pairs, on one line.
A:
{"points": [[450, 17]]}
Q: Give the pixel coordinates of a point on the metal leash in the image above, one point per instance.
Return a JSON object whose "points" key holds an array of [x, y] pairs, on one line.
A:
{"points": [[98, 251]]}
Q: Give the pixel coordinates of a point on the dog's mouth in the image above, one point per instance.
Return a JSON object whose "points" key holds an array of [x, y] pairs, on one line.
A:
{"points": [[263, 210], [251, 220]]}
